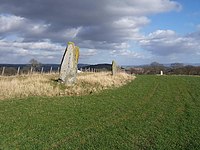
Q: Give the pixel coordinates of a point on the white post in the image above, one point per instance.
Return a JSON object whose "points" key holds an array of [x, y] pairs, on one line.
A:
{"points": [[161, 72]]}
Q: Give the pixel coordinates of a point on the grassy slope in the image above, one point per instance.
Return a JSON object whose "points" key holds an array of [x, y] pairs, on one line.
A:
{"points": [[152, 112]]}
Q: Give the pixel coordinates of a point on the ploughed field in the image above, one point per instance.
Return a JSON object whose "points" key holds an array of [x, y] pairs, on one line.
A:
{"points": [[151, 112]]}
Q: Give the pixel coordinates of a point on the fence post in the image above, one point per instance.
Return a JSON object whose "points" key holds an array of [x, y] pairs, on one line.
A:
{"points": [[42, 69], [18, 70], [50, 70], [3, 70], [31, 70]]}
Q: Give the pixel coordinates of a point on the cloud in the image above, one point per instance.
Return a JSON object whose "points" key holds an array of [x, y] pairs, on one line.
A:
{"points": [[104, 25], [198, 27], [16, 25], [127, 53], [24, 51], [106, 20], [45, 45], [143, 7], [167, 42], [87, 53], [10, 23]]}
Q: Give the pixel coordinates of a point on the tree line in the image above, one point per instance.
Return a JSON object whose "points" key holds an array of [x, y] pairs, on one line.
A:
{"points": [[172, 69]]}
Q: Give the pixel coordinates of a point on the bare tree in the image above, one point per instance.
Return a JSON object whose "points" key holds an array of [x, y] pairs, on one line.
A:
{"points": [[34, 63]]}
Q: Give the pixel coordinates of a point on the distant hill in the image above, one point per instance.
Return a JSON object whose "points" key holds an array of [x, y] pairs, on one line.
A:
{"points": [[98, 66], [166, 65], [82, 65]]}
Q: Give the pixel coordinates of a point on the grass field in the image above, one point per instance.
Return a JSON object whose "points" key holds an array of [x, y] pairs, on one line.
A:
{"points": [[151, 112]]}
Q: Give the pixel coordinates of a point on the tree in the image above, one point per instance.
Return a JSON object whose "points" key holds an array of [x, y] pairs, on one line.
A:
{"points": [[155, 64], [156, 67], [177, 65], [34, 63]]}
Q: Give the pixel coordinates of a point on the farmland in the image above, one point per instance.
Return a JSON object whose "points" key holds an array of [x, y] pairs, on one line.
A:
{"points": [[151, 112]]}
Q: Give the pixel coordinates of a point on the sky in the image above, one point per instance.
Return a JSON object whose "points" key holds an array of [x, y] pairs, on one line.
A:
{"points": [[131, 32]]}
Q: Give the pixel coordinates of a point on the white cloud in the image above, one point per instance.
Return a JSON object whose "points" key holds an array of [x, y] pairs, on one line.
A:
{"points": [[121, 46], [19, 25], [23, 51], [88, 53], [162, 34], [142, 7], [36, 28], [131, 22], [167, 42], [32, 45], [127, 53], [10, 22]]}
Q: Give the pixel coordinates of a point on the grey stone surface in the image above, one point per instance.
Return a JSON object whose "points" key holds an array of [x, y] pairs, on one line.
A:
{"points": [[68, 68], [114, 67]]}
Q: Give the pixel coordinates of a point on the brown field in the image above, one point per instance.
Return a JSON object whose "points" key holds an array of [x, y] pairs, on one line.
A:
{"points": [[45, 84]]}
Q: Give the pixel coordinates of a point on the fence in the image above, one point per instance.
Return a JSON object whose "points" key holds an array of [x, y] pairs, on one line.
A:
{"points": [[18, 70], [8, 71]]}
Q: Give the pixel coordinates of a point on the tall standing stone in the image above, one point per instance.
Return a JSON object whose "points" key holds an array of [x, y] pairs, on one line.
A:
{"points": [[68, 68], [114, 68]]}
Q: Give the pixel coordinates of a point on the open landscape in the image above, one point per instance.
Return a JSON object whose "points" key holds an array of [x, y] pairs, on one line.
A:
{"points": [[150, 112], [100, 75]]}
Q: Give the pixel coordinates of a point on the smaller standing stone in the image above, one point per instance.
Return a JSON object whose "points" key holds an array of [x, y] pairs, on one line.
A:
{"points": [[114, 68]]}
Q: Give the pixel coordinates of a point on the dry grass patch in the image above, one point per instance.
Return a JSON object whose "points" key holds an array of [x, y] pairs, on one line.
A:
{"points": [[44, 85], [88, 83], [22, 86]]}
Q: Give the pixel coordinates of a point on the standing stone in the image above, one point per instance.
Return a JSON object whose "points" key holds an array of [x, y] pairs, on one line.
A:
{"points": [[114, 68], [68, 68]]}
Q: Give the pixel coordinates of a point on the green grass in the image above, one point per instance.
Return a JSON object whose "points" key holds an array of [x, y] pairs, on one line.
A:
{"points": [[152, 112]]}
